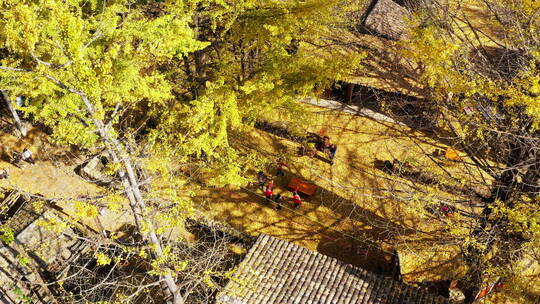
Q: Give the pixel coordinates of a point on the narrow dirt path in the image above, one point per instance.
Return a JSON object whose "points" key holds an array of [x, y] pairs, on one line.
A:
{"points": [[52, 175]]}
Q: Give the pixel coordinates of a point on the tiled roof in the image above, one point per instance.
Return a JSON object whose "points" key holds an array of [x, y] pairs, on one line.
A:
{"points": [[276, 271], [387, 18]]}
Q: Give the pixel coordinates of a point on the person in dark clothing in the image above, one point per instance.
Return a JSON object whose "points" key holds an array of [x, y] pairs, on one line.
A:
{"points": [[324, 144], [332, 153], [4, 174], [280, 201], [279, 169], [261, 180]]}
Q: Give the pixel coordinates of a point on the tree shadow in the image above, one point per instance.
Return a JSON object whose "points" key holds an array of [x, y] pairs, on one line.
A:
{"points": [[328, 195], [357, 214], [416, 175], [415, 112], [339, 227]]}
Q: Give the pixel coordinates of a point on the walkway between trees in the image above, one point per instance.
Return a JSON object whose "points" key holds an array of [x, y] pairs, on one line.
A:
{"points": [[351, 109]]}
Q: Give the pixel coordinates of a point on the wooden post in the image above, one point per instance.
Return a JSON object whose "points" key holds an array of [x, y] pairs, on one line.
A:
{"points": [[349, 93]]}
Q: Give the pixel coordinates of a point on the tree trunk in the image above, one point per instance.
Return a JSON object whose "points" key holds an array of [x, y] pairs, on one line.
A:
{"points": [[138, 206], [502, 190], [14, 113], [131, 187], [132, 190]]}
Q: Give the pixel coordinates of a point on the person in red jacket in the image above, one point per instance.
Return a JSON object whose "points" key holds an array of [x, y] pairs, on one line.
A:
{"points": [[268, 193], [296, 199], [271, 184]]}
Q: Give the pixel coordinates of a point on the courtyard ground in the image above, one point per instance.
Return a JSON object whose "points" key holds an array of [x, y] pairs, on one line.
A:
{"points": [[352, 216]]}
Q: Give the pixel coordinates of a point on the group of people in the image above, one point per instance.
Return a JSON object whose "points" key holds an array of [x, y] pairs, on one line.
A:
{"points": [[279, 199], [25, 155], [324, 146]]}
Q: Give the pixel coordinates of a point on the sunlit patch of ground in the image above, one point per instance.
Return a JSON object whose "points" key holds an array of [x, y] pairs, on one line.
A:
{"points": [[52, 175], [352, 216]]}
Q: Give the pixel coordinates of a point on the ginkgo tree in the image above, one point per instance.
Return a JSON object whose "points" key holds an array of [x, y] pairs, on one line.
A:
{"points": [[81, 62], [260, 59], [483, 84], [191, 71]]}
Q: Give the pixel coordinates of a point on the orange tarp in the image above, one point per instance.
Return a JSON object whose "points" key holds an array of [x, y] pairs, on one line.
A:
{"points": [[452, 154], [303, 186]]}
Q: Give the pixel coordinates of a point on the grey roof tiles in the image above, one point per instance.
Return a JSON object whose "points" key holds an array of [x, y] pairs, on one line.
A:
{"points": [[279, 272]]}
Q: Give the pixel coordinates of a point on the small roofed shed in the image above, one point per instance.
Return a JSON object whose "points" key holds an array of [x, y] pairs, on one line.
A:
{"points": [[386, 18], [277, 271]]}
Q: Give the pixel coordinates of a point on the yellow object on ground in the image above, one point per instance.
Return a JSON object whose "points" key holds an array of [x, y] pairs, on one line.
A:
{"points": [[452, 154]]}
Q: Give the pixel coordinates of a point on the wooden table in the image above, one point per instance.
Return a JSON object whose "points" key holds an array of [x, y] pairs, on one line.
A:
{"points": [[302, 186]]}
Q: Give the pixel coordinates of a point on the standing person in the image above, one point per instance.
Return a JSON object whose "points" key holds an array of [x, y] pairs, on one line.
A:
{"points": [[332, 153], [271, 184], [279, 169], [280, 201], [4, 173], [268, 194], [26, 155], [325, 144], [296, 199], [261, 180]]}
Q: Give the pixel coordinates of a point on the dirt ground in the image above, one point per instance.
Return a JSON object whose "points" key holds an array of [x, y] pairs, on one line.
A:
{"points": [[53, 174], [349, 217]]}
